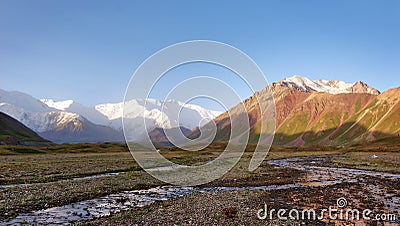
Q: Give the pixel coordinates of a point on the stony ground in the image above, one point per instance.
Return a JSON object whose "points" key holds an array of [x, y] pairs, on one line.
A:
{"points": [[64, 162], [240, 207]]}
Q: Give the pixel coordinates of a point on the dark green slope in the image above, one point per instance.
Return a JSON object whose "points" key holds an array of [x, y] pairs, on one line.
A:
{"points": [[14, 132]]}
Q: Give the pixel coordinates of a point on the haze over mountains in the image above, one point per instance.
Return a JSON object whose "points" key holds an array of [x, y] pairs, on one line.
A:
{"points": [[307, 112], [72, 122]]}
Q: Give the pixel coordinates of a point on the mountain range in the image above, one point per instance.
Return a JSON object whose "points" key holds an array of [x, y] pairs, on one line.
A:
{"points": [[71, 122], [326, 112], [322, 112]]}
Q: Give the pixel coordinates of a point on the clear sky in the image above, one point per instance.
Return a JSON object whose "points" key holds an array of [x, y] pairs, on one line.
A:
{"points": [[88, 50]]}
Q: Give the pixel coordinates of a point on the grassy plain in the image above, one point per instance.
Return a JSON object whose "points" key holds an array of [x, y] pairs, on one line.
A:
{"points": [[52, 168]]}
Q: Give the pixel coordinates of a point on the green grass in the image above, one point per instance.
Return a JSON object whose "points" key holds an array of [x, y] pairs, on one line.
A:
{"points": [[385, 162], [32, 164], [358, 105], [20, 164], [292, 128], [63, 149], [46, 165], [13, 131]]}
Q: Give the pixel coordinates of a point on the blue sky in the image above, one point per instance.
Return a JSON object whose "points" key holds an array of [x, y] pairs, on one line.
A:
{"points": [[88, 50]]}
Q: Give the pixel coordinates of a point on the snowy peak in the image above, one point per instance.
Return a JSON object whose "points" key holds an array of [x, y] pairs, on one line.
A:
{"points": [[22, 100], [167, 115], [59, 105], [151, 108], [327, 86], [159, 113], [334, 84], [111, 111], [56, 120], [361, 87], [89, 113]]}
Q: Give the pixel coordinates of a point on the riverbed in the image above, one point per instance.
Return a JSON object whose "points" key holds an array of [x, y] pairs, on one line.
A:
{"points": [[316, 176]]}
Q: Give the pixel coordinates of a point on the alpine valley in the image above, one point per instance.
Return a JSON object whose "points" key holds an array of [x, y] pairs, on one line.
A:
{"points": [[308, 112]]}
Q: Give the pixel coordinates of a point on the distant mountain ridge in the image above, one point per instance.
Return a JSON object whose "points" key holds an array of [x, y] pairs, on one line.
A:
{"points": [[72, 122], [328, 112], [323, 112]]}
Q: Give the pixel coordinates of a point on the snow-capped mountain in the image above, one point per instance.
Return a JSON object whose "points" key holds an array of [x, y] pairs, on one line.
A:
{"points": [[155, 113], [22, 100], [164, 114], [327, 86], [89, 113], [32, 112], [306, 114], [70, 121]]}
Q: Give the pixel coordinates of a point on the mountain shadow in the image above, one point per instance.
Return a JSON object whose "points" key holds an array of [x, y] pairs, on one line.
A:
{"points": [[349, 133]]}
